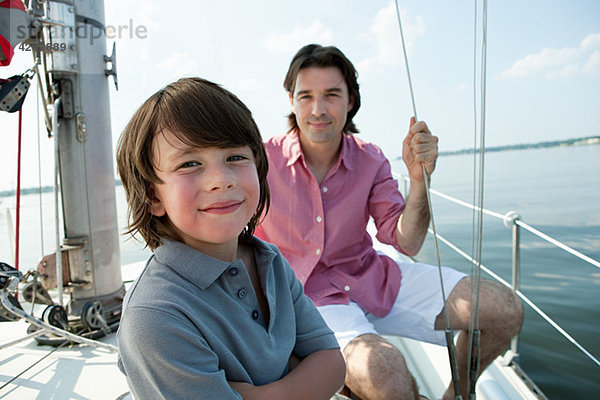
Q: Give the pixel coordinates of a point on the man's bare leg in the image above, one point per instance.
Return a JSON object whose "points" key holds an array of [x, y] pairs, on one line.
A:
{"points": [[376, 370], [500, 318]]}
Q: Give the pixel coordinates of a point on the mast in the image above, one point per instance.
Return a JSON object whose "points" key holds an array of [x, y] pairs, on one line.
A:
{"points": [[79, 78]]}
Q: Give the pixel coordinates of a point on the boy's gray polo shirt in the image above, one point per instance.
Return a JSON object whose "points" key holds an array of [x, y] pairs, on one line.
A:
{"points": [[192, 322]]}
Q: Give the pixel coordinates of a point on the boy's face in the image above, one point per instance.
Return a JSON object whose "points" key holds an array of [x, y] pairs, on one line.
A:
{"points": [[209, 194]]}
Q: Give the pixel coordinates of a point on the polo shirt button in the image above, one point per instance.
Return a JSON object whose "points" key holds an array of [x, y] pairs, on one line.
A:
{"points": [[319, 219], [242, 293], [347, 288], [233, 271], [318, 251], [255, 315], [325, 189]]}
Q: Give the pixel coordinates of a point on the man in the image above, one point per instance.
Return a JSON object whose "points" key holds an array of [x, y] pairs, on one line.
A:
{"points": [[325, 185]]}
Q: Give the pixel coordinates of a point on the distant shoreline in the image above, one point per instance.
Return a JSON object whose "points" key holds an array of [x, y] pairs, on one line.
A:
{"points": [[585, 141], [43, 189]]}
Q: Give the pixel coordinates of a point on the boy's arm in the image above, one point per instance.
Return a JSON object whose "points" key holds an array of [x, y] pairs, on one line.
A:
{"points": [[318, 376], [164, 360], [317, 368]]}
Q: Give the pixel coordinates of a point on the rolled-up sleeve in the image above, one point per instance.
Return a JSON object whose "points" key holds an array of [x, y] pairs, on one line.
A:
{"points": [[386, 204]]}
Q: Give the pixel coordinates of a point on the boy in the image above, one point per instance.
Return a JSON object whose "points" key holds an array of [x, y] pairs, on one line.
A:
{"points": [[216, 313]]}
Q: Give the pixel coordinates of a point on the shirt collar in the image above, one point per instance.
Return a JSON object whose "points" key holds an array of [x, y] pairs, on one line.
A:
{"points": [[293, 150], [201, 269], [348, 145]]}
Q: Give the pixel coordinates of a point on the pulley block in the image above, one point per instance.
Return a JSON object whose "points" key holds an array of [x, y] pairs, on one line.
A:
{"points": [[12, 92], [91, 315], [56, 315]]}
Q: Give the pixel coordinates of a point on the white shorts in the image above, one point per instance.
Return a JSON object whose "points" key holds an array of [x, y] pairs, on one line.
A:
{"points": [[413, 314]]}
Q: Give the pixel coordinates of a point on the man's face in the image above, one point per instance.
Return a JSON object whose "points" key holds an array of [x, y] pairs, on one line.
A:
{"points": [[320, 103]]}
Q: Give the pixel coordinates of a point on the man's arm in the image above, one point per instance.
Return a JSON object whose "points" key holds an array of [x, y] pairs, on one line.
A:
{"points": [[318, 376], [418, 148]]}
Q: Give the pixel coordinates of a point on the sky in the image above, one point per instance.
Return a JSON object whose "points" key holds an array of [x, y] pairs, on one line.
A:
{"points": [[542, 67]]}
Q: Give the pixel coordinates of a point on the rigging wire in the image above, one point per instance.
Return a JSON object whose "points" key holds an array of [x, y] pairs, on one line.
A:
{"points": [[59, 267], [18, 190], [448, 331], [474, 333], [42, 96], [481, 151], [39, 151], [425, 174], [474, 265], [474, 349], [473, 198]]}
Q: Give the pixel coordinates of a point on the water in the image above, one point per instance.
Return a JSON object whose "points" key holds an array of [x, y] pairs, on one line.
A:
{"points": [[34, 245], [556, 190]]}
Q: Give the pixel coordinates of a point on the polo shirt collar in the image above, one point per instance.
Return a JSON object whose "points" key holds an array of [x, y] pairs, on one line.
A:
{"points": [[201, 269], [293, 150]]}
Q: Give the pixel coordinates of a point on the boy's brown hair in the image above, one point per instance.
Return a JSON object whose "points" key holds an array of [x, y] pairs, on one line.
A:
{"points": [[199, 113]]}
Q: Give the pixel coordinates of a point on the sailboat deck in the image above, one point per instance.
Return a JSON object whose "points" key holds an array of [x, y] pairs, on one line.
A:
{"points": [[85, 372], [68, 372]]}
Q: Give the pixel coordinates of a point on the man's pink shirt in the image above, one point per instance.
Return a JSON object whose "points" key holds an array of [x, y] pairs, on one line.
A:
{"points": [[321, 229]]}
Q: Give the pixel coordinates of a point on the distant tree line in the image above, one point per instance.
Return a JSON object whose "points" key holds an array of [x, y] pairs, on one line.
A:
{"points": [[590, 140], [43, 189]]}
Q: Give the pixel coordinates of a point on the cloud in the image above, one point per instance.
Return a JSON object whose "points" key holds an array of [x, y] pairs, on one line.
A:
{"points": [[278, 42], [553, 63], [178, 64], [591, 42], [250, 84], [122, 12], [385, 35], [592, 66], [462, 88]]}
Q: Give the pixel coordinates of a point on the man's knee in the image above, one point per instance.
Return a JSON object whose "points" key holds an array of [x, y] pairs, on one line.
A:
{"points": [[501, 308], [375, 369], [513, 310]]}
